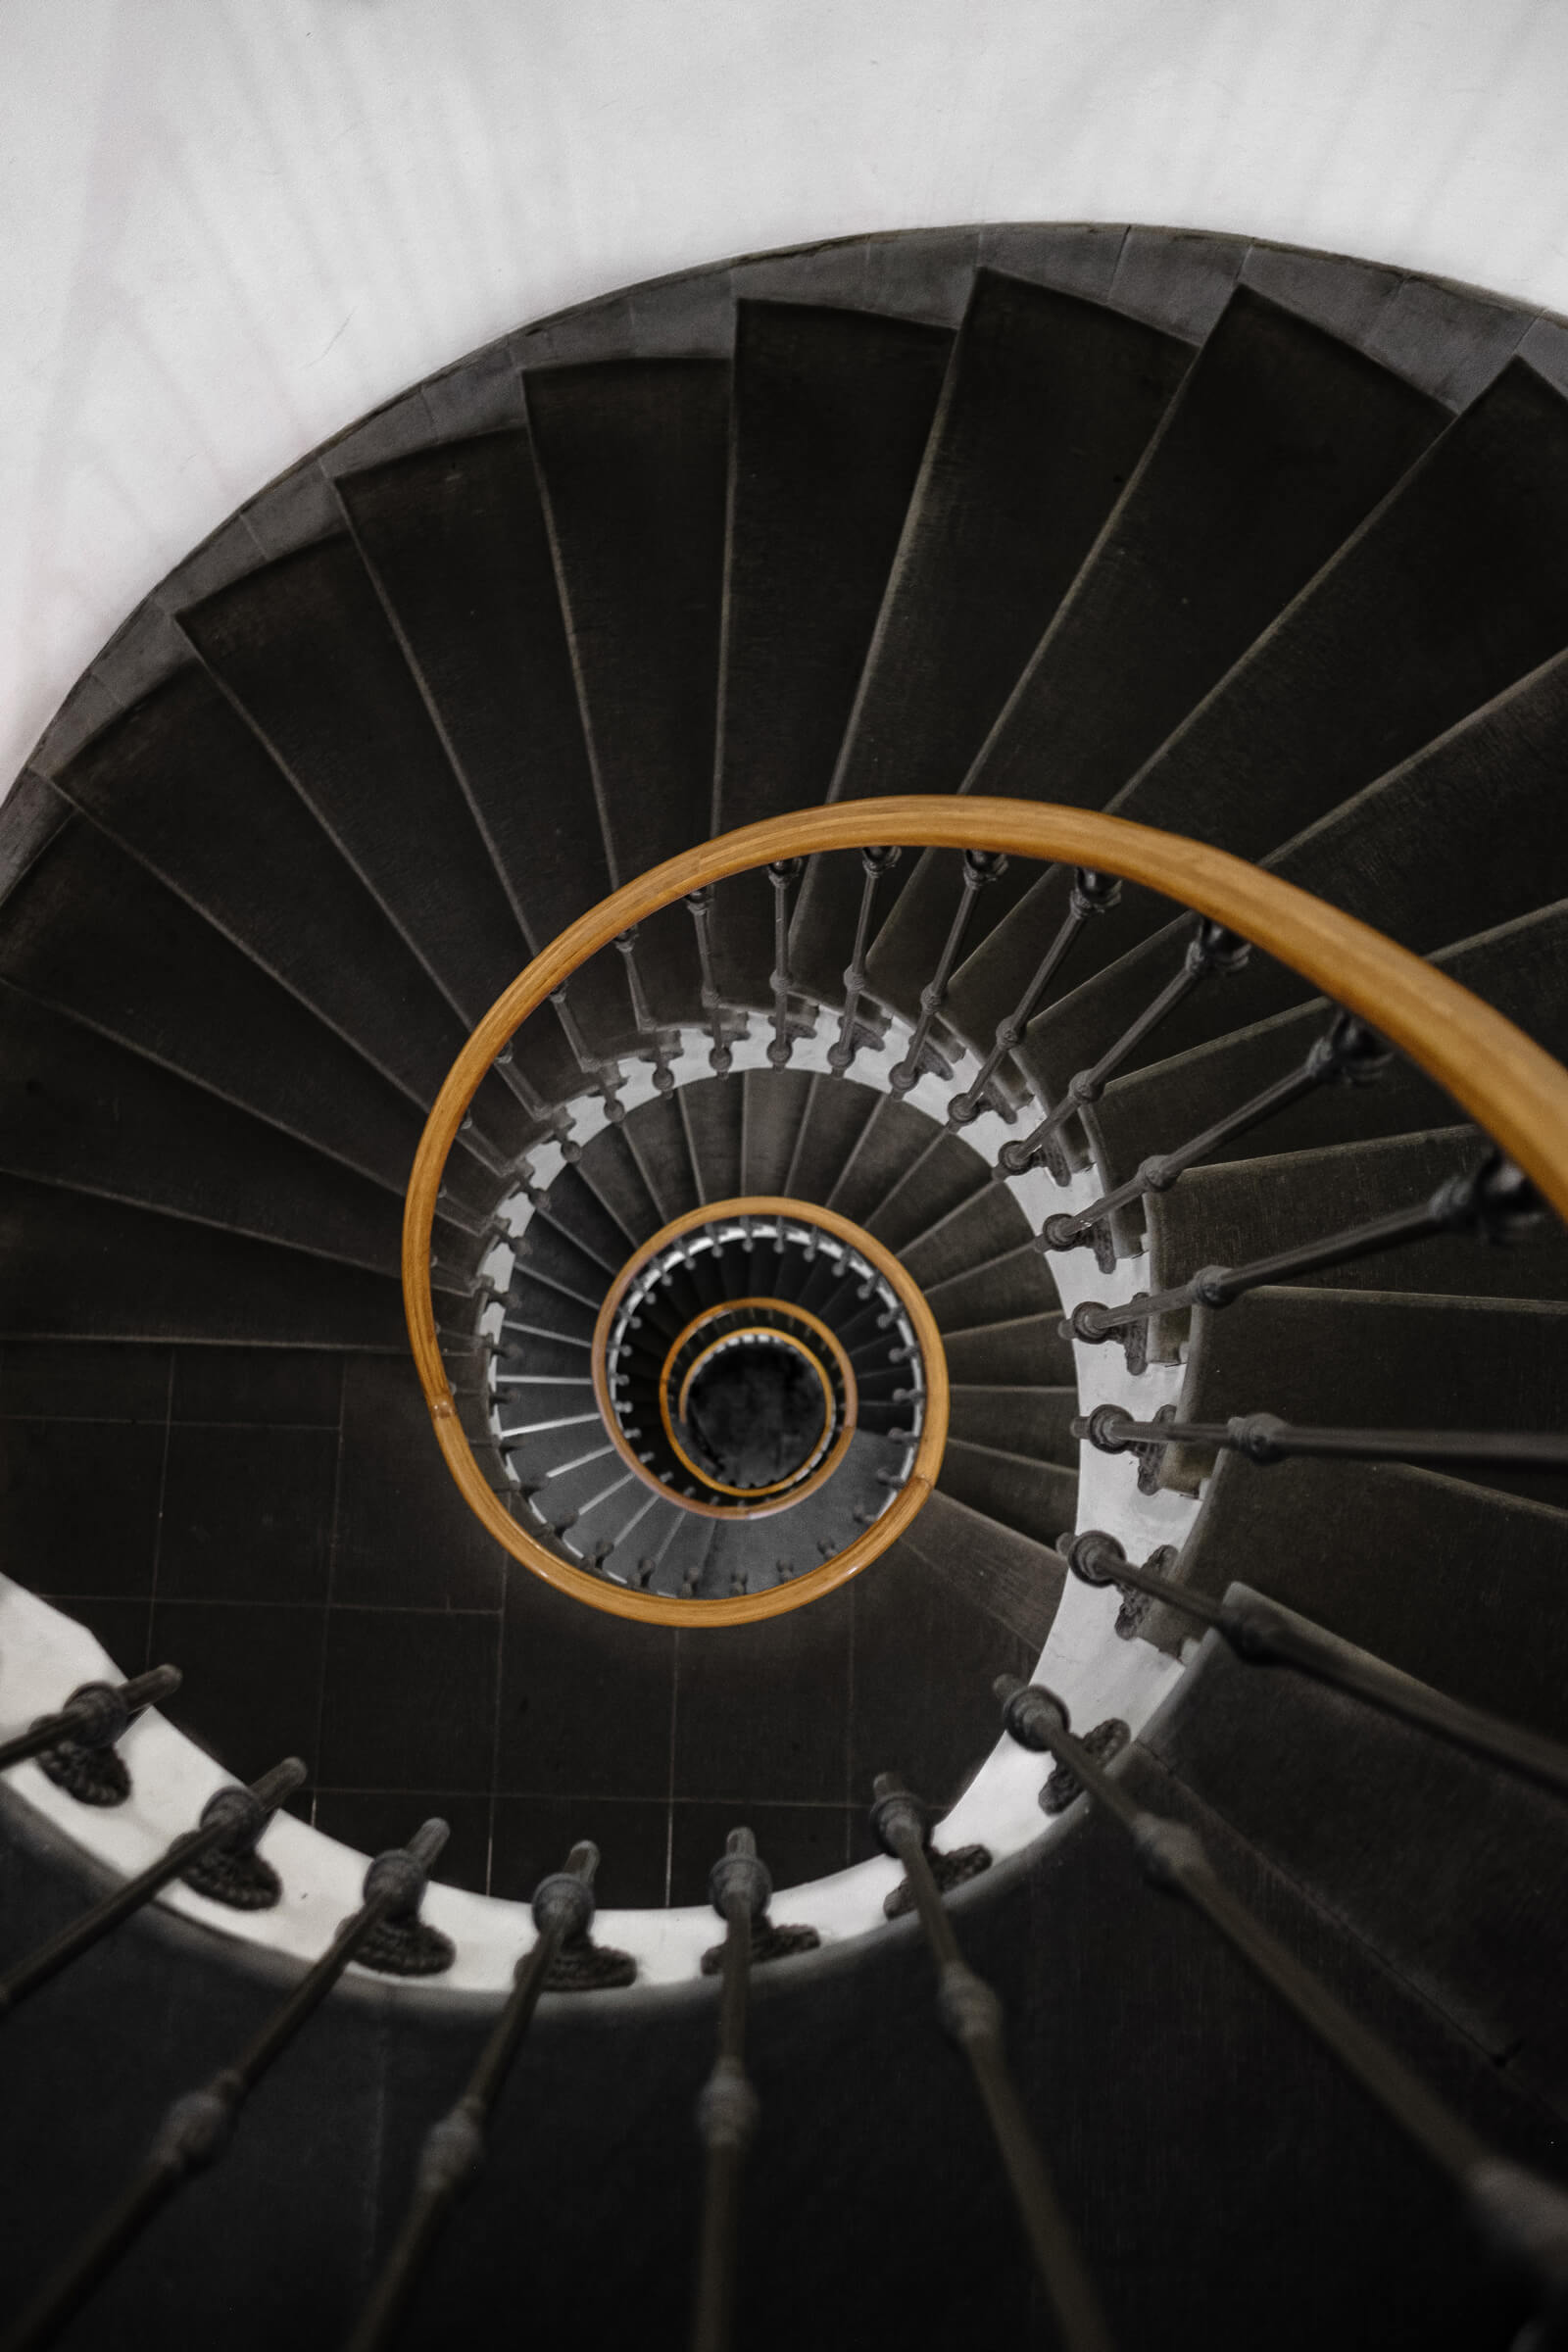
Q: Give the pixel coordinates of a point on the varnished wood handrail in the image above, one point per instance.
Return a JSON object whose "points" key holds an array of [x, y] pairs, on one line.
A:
{"points": [[1506, 1083]]}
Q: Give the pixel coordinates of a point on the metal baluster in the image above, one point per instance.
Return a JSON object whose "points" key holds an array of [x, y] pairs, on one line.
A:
{"points": [[95, 1715], [231, 1821], [785, 1030], [1264, 1440], [454, 2150], [1347, 1055], [719, 1058], [1522, 2215], [197, 2128], [1212, 949], [1265, 1635], [874, 864], [642, 1014], [972, 2015], [1090, 893], [739, 1888], [605, 1075], [980, 866], [1495, 1202]]}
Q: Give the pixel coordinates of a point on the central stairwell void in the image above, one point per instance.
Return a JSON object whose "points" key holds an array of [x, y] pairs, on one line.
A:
{"points": [[784, 1140]]}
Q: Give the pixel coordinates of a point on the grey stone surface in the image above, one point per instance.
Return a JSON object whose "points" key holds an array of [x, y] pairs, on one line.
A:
{"points": [[480, 395], [391, 432], [1329, 288], [295, 510], [925, 274], [1079, 257], [1180, 278], [1449, 342]]}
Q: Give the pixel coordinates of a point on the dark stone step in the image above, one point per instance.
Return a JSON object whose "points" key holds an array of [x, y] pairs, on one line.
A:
{"points": [[893, 1139], [578, 1209], [1038, 1499], [1451, 1870], [831, 411], [632, 458], [714, 1109], [609, 1169], [1455, 588], [933, 1183], [1278, 442], [1028, 1351], [1246, 1210], [93, 933], [1482, 803], [73, 1266], [306, 648], [657, 1137], [1033, 1422], [1457, 1584], [1002, 1290], [1006, 1576], [837, 1111], [981, 1229], [1520, 968], [1049, 405], [1382, 1359]]}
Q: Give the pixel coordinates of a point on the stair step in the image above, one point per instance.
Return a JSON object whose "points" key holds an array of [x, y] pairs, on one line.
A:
{"points": [[550, 1253], [77, 1267], [258, 866], [830, 415], [304, 647], [1027, 1351], [632, 456], [1002, 1290], [161, 981], [1452, 1871], [577, 1208], [1038, 1499], [1244, 1209], [1049, 405], [76, 1109], [1458, 1584], [891, 1138], [932, 1183], [984, 1227], [837, 1111], [657, 1139], [715, 1109], [1278, 445], [1520, 968], [1033, 1422], [1482, 803], [1382, 1359], [773, 1109], [1454, 589], [1014, 1580], [610, 1169]]}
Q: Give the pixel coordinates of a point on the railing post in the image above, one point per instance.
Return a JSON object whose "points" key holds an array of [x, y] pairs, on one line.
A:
{"points": [[1090, 893], [739, 1887], [874, 864], [972, 2015], [75, 1746]]}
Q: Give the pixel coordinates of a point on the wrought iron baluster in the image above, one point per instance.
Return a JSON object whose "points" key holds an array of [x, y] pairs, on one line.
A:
{"points": [[1264, 1439], [231, 1821], [1495, 1202], [1347, 1055], [454, 2150], [740, 1889], [605, 1075], [1090, 893], [720, 1059], [972, 2015], [980, 866], [1212, 949], [641, 1013], [782, 876], [874, 864], [96, 1715], [1265, 1635], [1522, 2215], [197, 2128]]}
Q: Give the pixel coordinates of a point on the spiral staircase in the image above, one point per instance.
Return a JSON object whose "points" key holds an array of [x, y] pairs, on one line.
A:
{"points": [[802, 1268]]}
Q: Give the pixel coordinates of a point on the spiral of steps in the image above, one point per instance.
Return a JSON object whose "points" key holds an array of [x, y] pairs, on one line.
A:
{"points": [[1264, 548]]}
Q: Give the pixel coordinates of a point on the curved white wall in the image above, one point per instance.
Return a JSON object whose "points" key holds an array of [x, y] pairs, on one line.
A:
{"points": [[229, 227]]}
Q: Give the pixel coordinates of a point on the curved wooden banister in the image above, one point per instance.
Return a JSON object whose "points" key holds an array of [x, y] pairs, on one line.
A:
{"points": [[1505, 1082]]}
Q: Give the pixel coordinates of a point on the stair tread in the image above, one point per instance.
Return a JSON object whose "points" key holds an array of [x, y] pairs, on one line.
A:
{"points": [[1013, 1579], [1004, 1289], [1277, 444], [305, 648], [1454, 588], [1038, 1499], [984, 1227], [831, 413], [1034, 1422], [1483, 803], [1025, 1348], [1049, 403]]}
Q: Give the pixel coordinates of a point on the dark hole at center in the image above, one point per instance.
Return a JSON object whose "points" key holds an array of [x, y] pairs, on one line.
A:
{"points": [[754, 1414]]}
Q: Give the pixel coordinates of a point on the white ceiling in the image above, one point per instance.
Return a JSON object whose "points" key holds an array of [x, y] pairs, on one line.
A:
{"points": [[229, 227]]}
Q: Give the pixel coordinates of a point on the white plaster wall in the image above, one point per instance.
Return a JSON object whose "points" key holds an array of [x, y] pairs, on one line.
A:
{"points": [[229, 227]]}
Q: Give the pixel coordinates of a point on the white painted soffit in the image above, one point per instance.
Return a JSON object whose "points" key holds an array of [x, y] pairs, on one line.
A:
{"points": [[229, 227]]}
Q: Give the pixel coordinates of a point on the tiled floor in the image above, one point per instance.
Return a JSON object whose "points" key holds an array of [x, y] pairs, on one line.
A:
{"points": [[276, 1523]]}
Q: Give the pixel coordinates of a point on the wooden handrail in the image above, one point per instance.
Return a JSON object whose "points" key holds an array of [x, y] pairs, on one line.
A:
{"points": [[1506, 1083]]}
